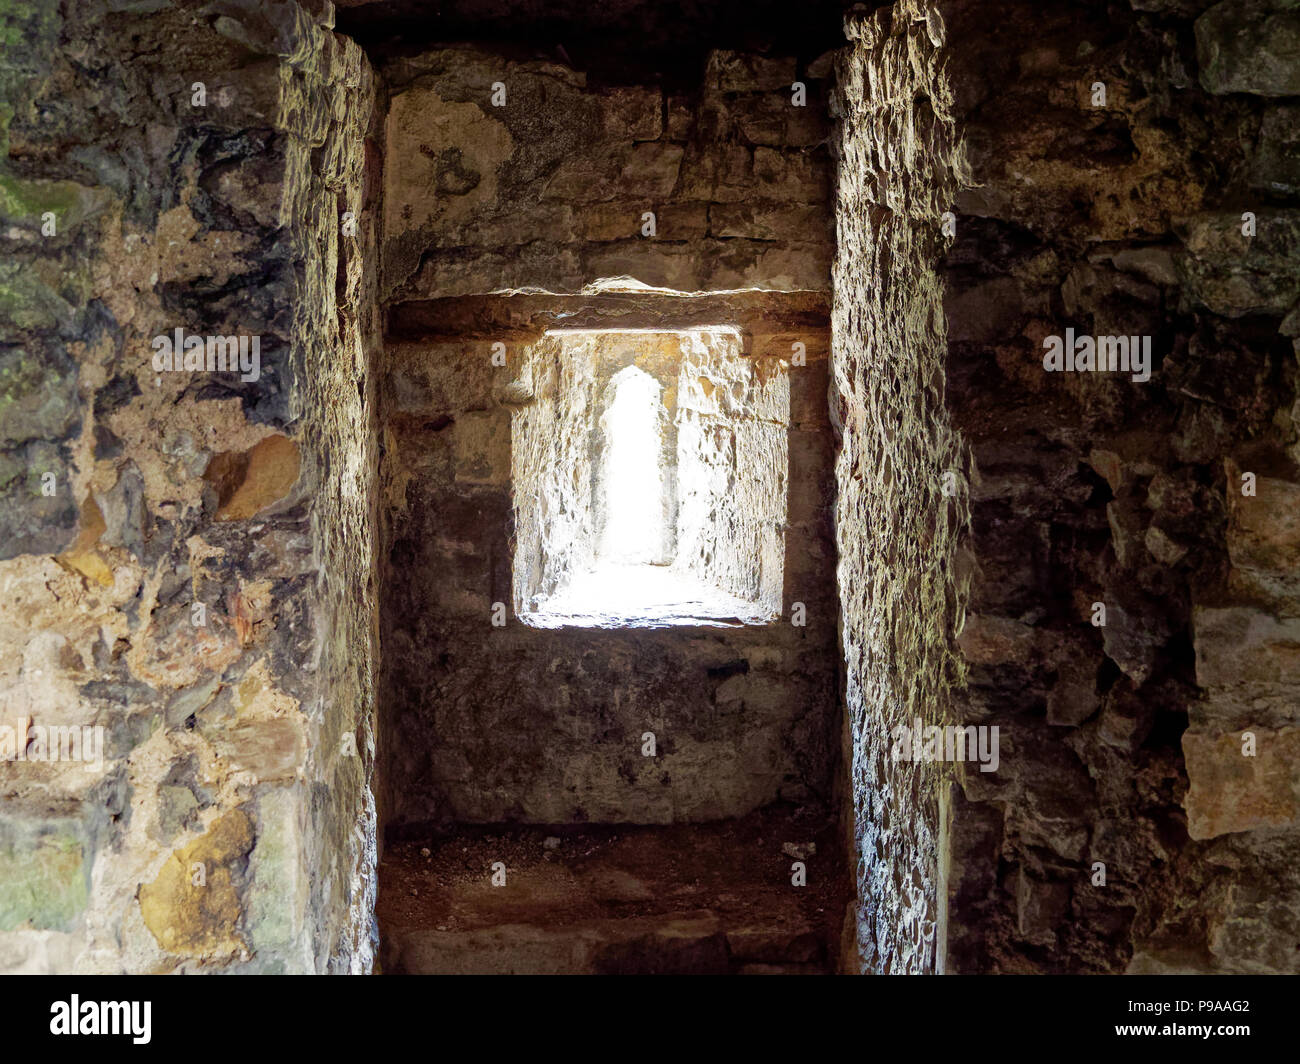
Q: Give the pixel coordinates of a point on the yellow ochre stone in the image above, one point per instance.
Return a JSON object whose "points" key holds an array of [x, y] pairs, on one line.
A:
{"points": [[192, 908], [81, 557], [249, 483]]}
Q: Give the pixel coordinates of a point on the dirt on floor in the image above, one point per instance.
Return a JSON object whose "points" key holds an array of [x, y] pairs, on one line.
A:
{"points": [[726, 887]]}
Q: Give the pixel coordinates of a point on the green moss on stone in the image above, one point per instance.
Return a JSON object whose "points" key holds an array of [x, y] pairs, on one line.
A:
{"points": [[44, 886], [22, 200], [28, 303]]}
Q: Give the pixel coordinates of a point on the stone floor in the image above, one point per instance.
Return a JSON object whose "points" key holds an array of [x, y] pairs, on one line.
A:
{"points": [[698, 899]]}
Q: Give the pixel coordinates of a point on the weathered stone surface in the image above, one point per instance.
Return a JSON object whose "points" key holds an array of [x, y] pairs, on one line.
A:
{"points": [[774, 121], [82, 555], [31, 520], [1241, 646], [1163, 547], [1170, 963], [1127, 520], [219, 213], [250, 482], [896, 532], [636, 110], [482, 449], [985, 312], [531, 194], [1246, 938], [1264, 529], [44, 879], [1134, 633], [1235, 274], [743, 72], [996, 640], [279, 897], [1250, 46], [1073, 698], [270, 749], [1100, 212], [1040, 907], [1230, 791], [767, 221], [193, 908], [1276, 163], [38, 396]]}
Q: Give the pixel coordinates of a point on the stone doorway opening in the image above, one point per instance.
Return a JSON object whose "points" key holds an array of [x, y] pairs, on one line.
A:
{"points": [[610, 728]]}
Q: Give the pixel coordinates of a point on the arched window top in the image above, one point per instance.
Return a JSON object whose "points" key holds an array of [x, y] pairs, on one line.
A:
{"points": [[632, 472]]}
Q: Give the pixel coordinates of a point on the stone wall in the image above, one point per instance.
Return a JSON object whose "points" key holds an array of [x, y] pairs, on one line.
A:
{"points": [[1116, 153], [520, 175], [735, 432], [488, 724], [196, 570], [896, 526], [195, 579], [543, 450]]}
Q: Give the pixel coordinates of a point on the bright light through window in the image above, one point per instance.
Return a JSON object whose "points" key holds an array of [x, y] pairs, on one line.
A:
{"points": [[633, 481], [649, 481]]}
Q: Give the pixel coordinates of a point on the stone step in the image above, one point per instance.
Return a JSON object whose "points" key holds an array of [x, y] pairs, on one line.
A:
{"points": [[693, 943]]}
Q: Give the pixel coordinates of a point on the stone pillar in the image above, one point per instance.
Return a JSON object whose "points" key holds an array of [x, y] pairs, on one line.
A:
{"points": [[195, 588], [896, 527]]}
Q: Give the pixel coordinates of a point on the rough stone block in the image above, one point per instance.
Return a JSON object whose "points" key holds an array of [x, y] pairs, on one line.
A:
{"points": [[483, 448], [269, 749], [31, 304], [1264, 529], [745, 72], [661, 265], [1234, 274], [989, 640], [682, 221], [681, 117], [193, 908], [633, 111], [651, 170], [252, 481], [774, 121], [791, 175], [32, 522], [613, 221], [1250, 46], [1127, 520], [1163, 547], [1137, 628], [38, 396], [1276, 163], [1073, 698], [1040, 907], [1230, 791], [1239, 645], [1260, 931], [769, 221], [989, 311], [444, 378], [452, 154], [278, 894]]}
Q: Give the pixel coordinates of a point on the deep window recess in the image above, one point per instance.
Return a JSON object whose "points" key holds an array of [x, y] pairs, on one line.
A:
{"points": [[649, 473]]}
